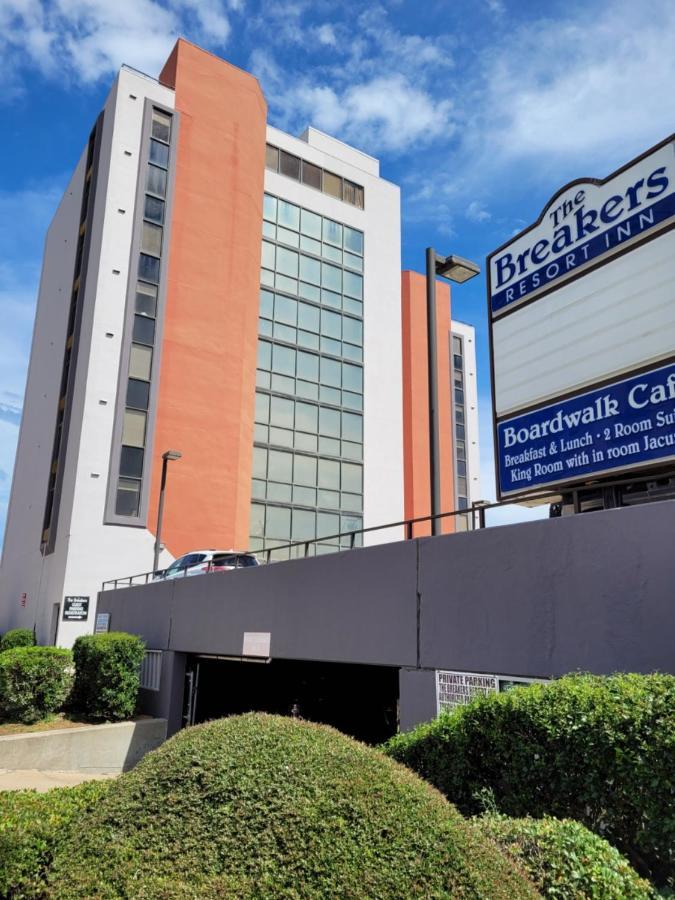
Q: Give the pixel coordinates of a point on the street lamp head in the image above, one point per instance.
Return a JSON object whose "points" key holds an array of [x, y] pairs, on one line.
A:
{"points": [[171, 454], [454, 268]]}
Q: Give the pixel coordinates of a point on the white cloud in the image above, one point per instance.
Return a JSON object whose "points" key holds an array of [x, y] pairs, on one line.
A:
{"points": [[476, 212], [326, 35], [90, 39]]}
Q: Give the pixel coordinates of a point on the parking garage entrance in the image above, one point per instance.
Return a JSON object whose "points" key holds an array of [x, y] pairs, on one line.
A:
{"points": [[358, 700]]}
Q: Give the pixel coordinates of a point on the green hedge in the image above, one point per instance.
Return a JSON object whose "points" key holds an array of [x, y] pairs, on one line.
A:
{"points": [[34, 681], [269, 807], [17, 637], [32, 825], [107, 675], [596, 749], [565, 860]]}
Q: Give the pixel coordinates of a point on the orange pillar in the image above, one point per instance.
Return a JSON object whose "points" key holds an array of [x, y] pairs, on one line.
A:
{"points": [[207, 378], [417, 479]]}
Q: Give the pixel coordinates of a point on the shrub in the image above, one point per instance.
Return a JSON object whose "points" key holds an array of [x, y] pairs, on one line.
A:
{"points": [[271, 807], [34, 681], [107, 675], [565, 860], [17, 637], [591, 748], [32, 825]]}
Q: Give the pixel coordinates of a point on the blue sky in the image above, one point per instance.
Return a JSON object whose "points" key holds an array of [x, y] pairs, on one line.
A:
{"points": [[479, 109]]}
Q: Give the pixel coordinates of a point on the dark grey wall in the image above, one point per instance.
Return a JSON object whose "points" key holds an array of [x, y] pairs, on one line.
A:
{"points": [[593, 592]]}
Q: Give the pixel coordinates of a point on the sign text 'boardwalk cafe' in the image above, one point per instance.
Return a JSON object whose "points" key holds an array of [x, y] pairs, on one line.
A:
{"points": [[582, 321]]}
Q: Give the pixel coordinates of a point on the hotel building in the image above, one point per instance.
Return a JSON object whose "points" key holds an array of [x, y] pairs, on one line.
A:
{"points": [[214, 286]]}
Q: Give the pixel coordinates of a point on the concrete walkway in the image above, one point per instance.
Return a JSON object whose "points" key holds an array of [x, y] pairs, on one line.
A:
{"points": [[20, 779]]}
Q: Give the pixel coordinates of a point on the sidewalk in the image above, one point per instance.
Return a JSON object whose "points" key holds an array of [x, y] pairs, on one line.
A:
{"points": [[19, 779]]}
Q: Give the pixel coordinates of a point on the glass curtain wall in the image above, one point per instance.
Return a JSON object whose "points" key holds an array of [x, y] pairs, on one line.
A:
{"points": [[308, 450]]}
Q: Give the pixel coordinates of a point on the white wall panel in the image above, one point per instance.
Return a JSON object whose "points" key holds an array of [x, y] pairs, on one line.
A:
{"points": [[614, 319]]}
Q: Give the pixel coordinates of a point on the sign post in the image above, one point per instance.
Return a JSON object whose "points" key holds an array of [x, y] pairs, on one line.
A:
{"points": [[581, 308]]}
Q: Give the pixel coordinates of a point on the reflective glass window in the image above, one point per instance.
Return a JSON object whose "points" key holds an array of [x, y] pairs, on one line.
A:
{"points": [[161, 125], [288, 215], [159, 153], [310, 270], [262, 407], [151, 239], [154, 209], [280, 466], [156, 181], [146, 299], [310, 224], [285, 310], [331, 324], [270, 208], [330, 372], [332, 232], [311, 175], [353, 240], [272, 158], [278, 523], [352, 377], [308, 366], [331, 277], [332, 184], [128, 497], [304, 525], [131, 462], [133, 431], [353, 285], [351, 477], [140, 362], [287, 262], [264, 355], [281, 412], [138, 393], [306, 416], [352, 427], [283, 360], [148, 268], [144, 330], [289, 165]]}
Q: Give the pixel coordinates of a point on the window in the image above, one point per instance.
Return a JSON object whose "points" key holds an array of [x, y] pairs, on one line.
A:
{"points": [[131, 462], [151, 239], [138, 393], [156, 181], [133, 434], [154, 209], [277, 160], [332, 184], [290, 165], [146, 299], [288, 215], [140, 362], [353, 193], [272, 158], [159, 154], [161, 125], [311, 175], [144, 330], [128, 497], [148, 268]]}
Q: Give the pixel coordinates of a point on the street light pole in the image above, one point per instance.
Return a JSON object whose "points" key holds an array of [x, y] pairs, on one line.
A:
{"points": [[454, 268], [432, 372], [169, 454]]}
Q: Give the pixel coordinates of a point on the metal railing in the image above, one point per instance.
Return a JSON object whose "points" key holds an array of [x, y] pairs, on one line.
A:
{"points": [[474, 516]]}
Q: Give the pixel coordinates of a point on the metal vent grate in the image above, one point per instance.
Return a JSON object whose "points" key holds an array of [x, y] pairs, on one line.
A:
{"points": [[151, 670]]}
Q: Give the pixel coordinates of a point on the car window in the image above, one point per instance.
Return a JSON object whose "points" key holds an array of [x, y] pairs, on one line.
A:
{"points": [[183, 562], [248, 560], [227, 559]]}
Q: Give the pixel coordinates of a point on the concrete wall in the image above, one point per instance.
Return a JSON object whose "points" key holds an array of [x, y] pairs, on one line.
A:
{"points": [[114, 747], [591, 592]]}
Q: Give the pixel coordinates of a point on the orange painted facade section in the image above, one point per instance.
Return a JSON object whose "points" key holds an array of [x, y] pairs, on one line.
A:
{"points": [[207, 380], [417, 478]]}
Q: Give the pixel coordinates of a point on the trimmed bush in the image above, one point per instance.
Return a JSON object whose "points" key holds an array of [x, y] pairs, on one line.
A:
{"points": [[34, 681], [107, 670], [565, 860], [32, 825], [600, 750], [270, 807], [17, 637]]}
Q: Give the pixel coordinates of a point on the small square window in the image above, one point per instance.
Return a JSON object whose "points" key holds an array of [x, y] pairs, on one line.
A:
{"points": [[353, 240], [146, 299], [156, 181], [270, 208], [148, 268], [281, 412], [272, 158], [353, 193], [287, 262], [288, 215], [131, 462], [311, 175], [310, 224], [133, 433], [128, 497], [161, 125], [286, 310], [144, 330], [308, 317], [151, 239], [290, 165], [332, 232], [140, 362], [332, 184], [159, 154], [154, 209], [138, 393]]}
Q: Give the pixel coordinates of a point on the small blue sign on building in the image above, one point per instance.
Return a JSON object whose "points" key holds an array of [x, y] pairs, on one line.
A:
{"points": [[628, 423]]}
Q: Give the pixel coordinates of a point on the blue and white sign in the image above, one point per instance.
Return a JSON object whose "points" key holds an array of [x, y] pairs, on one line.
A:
{"points": [[622, 425], [583, 223]]}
